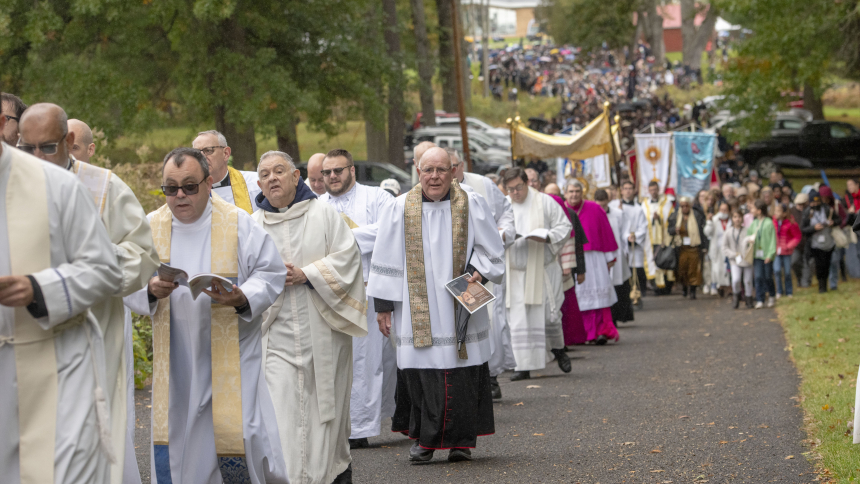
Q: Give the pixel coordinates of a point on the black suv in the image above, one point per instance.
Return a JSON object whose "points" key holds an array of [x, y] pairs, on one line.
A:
{"points": [[820, 144]]}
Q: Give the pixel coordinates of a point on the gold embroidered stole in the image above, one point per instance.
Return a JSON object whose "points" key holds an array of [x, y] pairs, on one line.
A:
{"points": [[240, 190], [415, 276], [226, 371], [97, 181]]}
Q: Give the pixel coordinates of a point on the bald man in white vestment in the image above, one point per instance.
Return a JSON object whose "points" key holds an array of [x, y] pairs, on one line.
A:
{"points": [[309, 331], [213, 420], [129, 232], [56, 261], [234, 186], [374, 363]]}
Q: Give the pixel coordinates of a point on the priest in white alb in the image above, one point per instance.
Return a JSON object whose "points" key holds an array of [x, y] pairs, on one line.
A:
{"points": [[622, 310], [56, 261], [128, 229], [500, 332], [308, 332], [432, 234], [637, 237], [534, 277], [212, 417], [234, 186], [657, 209], [374, 364]]}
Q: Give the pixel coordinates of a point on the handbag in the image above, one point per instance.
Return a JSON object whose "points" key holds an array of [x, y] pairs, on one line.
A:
{"points": [[748, 251], [665, 257], [823, 240], [840, 239]]}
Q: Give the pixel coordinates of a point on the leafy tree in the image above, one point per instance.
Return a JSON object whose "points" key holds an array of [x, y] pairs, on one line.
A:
{"points": [[590, 23]]}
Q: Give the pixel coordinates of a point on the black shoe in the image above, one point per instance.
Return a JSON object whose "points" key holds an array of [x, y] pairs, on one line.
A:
{"points": [[563, 360], [495, 389], [684, 291], [420, 455], [358, 443], [749, 301], [459, 455], [520, 375], [692, 292], [601, 340], [640, 304], [345, 477], [736, 300]]}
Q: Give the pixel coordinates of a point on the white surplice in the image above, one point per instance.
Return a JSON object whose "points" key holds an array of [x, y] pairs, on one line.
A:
{"points": [[374, 362], [637, 224], [191, 433], [84, 271], [226, 192], [500, 331], [715, 232], [129, 232], [620, 272], [536, 325], [388, 281], [307, 338]]}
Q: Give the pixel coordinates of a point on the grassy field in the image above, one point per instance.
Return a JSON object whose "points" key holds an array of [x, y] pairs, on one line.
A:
{"points": [[847, 115], [823, 336]]}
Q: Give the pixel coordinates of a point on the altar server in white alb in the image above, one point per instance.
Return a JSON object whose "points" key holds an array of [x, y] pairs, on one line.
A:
{"points": [[434, 233], [622, 310], [212, 417], [657, 209], [534, 277], [500, 332], [128, 229], [234, 186], [636, 235], [374, 363], [308, 333], [55, 262]]}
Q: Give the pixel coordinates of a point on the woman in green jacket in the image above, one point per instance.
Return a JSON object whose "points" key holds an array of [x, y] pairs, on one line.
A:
{"points": [[765, 250]]}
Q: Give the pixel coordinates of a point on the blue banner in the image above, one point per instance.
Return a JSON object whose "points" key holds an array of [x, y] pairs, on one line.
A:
{"points": [[694, 159]]}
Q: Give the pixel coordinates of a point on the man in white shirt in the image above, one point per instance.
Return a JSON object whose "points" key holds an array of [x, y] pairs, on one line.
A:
{"points": [[315, 178], [234, 186]]}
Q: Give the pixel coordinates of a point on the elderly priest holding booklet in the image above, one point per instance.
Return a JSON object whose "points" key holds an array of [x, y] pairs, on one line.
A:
{"points": [[212, 417], [435, 233]]}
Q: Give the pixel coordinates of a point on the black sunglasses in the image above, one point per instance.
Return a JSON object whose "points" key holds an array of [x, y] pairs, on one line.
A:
{"points": [[337, 171], [189, 189], [47, 148]]}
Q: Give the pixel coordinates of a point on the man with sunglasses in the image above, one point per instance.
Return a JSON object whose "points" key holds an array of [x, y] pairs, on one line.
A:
{"points": [[45, 133], [213, 417], [374, 361], [13, 108], [56, 261], [235, 186]]}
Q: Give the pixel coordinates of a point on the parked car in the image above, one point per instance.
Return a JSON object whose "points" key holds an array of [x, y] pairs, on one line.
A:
{"points": [[372, 173], [787, 123], [820, 144], [479, 147], [501, 136]]}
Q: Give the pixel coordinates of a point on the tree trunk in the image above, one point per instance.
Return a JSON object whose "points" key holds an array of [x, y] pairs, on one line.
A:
{"points": [[465, 47], [396, 115], [695, 39], [634, 44], [812, 102], [241, 140], [425, 63], [485, 45], [652, 24], [288, 138], [374, 133], [447, 74]]}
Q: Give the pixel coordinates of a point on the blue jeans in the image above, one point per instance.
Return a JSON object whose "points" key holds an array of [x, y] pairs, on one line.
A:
{"points": [[763, 275], [782, 268], [835, 258]]}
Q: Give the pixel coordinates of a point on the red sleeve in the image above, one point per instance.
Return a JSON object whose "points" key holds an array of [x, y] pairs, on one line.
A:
{"points": [[794, 235]]}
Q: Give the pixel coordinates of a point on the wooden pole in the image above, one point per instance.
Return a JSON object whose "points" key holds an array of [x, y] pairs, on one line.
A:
{"points": [[458, 70]]}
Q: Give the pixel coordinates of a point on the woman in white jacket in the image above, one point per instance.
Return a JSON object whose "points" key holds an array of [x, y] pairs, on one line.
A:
{"points": [[733, 243], [714, 231]]}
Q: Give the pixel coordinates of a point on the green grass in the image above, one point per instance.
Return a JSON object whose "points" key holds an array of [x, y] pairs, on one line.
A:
{"points": [[823, 336], [847, 115]]}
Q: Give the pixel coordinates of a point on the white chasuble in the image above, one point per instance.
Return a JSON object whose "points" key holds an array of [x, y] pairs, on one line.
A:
{"points": [[129, 232], [374, 363], [308, 336], [55, 423], [389, 281], [637, 224], [196, 437], [535, 292]]}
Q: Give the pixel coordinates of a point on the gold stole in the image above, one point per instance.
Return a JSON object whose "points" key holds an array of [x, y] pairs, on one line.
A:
{"points": [[415, 276], [96, 180], [226, 374], [240, 190]]}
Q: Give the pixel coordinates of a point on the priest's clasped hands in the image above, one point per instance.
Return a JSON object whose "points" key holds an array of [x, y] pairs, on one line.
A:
{"points": [[295, 276]]}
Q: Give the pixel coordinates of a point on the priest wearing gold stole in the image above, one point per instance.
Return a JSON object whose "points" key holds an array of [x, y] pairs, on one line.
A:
{"points": [[308, 333], [129, 232], [435, 233], [212, 417], [55, 262], [234, 186]]}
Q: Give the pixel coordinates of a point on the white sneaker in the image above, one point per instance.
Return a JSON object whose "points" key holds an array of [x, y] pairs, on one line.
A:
{"points": [[759, 305], [706, 290], [778, 295], [790, 296], [770, 302]]}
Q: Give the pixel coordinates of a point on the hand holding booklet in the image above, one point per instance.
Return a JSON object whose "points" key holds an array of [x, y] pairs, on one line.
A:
{"points": [[196, 284], [541, 234], [471, 295]]}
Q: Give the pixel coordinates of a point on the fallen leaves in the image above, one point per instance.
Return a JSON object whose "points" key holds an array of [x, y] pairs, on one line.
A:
{"points": [[538, 435], [683, 416], [533, 386], [656, 451], [519, 404], [789, 457]]}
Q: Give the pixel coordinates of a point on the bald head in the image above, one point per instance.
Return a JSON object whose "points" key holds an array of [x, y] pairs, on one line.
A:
{"points": [[315, 178], [84, 148], [45, 133], [534, 178], [420, 149], [553, 189]]}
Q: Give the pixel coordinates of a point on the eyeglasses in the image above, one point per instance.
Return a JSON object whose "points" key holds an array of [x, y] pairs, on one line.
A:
{"points": [[518, 188], [47, 148], [189, 189], [336, 171], [12, 118], [435, 171], [209, 150]]}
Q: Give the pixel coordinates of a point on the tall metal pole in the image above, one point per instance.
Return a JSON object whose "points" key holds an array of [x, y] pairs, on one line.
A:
{"points": [[458, 70]]}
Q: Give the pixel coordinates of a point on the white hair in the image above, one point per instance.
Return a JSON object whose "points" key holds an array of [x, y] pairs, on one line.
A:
{"points": [[221, 139], [573, 183], [281, 154]]}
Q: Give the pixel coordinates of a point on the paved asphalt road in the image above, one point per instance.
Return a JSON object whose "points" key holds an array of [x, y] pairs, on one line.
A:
{"points": [[693, 393]]}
